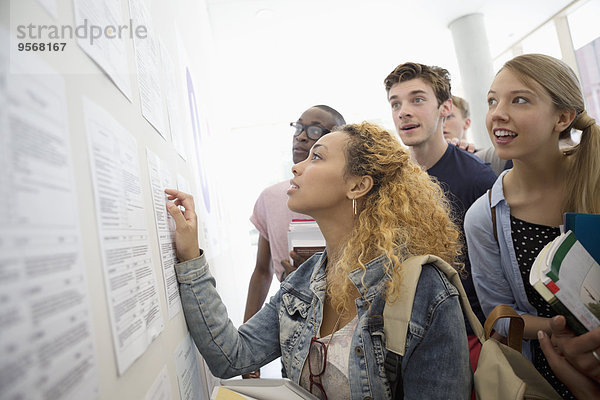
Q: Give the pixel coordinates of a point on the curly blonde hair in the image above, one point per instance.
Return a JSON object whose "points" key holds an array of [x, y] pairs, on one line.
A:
{"points": [[404, 214]]}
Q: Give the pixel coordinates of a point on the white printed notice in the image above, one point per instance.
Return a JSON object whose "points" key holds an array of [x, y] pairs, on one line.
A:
{"points": [[147, 61], [173, 97], [183, 184], [161, 388], [104, 41], [160, 179], [46, 340], [188, 371], [130, 283]]}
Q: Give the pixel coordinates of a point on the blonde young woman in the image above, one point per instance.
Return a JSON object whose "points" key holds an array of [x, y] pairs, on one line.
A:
{"points": [[375, 208], [534, 102]]}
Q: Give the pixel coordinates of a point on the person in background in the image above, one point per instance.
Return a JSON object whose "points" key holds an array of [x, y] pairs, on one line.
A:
{"points": [[490, 156], [271, 215], [534, 101], [455, 132], [420, 99], [375, 208], [458, 121]]}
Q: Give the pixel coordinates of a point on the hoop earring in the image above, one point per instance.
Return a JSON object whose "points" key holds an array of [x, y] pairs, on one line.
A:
{"points": [[354, 207]]}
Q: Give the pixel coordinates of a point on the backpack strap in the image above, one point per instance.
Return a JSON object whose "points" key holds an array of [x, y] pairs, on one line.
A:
{"points": [[493, 210], [396, 315], [393, 370]]}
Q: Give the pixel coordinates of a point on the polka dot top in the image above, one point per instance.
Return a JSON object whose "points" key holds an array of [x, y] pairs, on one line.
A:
{"points": [[528, 241]]}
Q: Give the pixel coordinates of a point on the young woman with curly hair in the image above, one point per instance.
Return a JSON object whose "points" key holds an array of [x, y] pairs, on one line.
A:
{"points": [[375, 208]]}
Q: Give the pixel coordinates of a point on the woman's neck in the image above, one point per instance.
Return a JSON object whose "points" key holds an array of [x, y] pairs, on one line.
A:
{"points": [[336, 230], [336, 238], [536, 191], [539, 174]]}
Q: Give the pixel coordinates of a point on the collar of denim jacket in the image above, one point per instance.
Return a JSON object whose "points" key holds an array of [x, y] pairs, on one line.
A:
{"points": [[369, 281]]}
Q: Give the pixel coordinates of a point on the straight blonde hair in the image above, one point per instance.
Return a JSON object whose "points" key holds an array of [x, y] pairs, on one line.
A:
{"points": [[561, 83]]}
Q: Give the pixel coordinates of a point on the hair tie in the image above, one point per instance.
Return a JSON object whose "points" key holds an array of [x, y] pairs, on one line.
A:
{"points": [[584, 121]]}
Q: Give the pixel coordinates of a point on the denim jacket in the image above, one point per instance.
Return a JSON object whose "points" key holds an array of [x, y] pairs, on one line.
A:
{"points": [[496, 274], [435, 365]]}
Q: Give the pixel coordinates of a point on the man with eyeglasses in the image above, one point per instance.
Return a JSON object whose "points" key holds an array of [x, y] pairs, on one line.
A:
{"points": [[272, 217]]}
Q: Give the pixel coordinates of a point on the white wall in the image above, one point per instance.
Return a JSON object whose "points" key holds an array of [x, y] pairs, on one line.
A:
{"points": [[184, 28]]}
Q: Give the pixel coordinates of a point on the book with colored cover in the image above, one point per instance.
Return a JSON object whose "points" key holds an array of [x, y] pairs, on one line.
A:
{"points": [[568, 278], [305, 238], [586, 228], [222, 393], [539, 280]]}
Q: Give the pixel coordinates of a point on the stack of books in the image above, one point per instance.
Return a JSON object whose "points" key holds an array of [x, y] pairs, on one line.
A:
{"points": [[305, 238], [567, 275]]}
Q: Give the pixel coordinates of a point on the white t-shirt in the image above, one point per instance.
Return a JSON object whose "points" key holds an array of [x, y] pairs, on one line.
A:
{"points": [[335, 378]]}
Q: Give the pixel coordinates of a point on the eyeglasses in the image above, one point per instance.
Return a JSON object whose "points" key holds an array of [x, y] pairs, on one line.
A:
{"points": [[314, 132], [317, 362], [317, 352], [317, 358]]}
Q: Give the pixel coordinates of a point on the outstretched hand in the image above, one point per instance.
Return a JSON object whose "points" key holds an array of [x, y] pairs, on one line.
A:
{"points": [[186, 232]]}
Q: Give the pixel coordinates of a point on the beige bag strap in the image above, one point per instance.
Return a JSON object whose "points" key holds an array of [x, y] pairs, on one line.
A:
{"points": [[516, 326], [396, 315]]}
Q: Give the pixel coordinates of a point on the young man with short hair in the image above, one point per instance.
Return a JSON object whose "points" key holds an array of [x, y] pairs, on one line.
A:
{"points": [[420, 98], [457, 123]]}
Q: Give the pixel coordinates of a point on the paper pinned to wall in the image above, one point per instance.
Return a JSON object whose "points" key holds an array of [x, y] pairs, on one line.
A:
{"points": [[130, 283], [173, 95], [211, 380], [183, 184], [108, 49], [46, 338], [147, 61], [161, 388], [160, 179], [187, 367]]}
